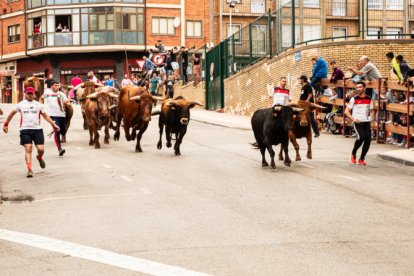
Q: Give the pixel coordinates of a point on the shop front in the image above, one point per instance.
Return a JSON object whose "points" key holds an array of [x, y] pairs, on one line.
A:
{"points": [[7, 71], [66, 74]]}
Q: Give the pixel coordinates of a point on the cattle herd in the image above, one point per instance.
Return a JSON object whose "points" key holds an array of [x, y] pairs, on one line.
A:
{"points": [[104, 106]]}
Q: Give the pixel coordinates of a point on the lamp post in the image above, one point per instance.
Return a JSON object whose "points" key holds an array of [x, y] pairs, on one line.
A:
{"points": [[232, 4]]}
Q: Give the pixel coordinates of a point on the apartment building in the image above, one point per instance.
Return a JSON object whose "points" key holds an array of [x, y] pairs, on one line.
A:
{"points": [[68, 37]]}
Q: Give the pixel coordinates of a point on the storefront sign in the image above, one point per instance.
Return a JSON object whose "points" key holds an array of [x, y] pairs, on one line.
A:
{"points": [[101, 70]]}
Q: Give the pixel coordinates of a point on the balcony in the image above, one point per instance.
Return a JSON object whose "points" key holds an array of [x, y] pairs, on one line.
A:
{"points": [[410, 12], [249, 7], [341, 9]]}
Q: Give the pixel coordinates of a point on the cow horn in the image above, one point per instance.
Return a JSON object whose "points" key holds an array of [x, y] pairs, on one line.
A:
{"points": [[277, 108], [98, 84], [158, 98], [113, 95], [292, 105], [92, 96], [112, 107], [196, 103], [171, 103], [30, 78], [317, 106], [41, 78], [78, 86], [135, 98], [297, 109], [114, 90]]}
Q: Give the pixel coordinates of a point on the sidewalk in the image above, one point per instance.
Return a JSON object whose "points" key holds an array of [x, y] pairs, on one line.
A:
{"points": [[401, 156]]}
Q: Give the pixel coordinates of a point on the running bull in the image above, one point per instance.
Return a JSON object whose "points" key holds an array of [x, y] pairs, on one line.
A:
{"points": [[271, 127]]}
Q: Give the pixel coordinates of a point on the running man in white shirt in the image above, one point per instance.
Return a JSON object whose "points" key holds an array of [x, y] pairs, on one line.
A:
{"points": [[362, 112], [281, 95], [30, 129], [55, 102]]}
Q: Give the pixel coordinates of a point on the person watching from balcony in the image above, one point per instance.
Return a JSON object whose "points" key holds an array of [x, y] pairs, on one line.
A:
{"points": [[126, 81], [337, 74], [65, 29], [59, 28], [395, 66], [320, 71], [36, 29]]}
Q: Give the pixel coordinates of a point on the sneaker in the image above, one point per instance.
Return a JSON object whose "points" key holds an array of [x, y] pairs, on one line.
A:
{"points": [[353, 159], [62, 152], [362, 162], [389, 140], [402, 144], [29, 174], [41, 162], [317, 135]]}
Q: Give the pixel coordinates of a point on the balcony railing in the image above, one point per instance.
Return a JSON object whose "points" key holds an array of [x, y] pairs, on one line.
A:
{"points": [[249, 7], [36, 41], [340, 8]]}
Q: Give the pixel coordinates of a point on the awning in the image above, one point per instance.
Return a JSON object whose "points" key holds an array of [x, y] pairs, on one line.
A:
{"points": [[96, 70]]}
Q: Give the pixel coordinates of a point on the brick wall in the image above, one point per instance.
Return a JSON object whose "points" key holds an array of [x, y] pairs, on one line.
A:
{"points": [[247, 91], [10, 48]]}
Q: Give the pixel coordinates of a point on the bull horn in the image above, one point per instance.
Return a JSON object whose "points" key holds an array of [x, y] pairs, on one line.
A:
{"points": [[158, 98], [135, 98], [41, 78], [277, 108], [92, 96], [297, 109], [30, 78], [292, 105], [317, 106], [112, 107], [171, 103], [98, 84], [114, 90], [113, 95], [78, 86], [196, 103]]}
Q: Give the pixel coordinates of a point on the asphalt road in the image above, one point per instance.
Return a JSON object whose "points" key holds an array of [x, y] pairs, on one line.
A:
{"points": [[212, 210]]}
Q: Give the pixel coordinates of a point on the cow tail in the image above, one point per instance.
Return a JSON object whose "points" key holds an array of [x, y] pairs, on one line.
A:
{"points": [[255, 145]]}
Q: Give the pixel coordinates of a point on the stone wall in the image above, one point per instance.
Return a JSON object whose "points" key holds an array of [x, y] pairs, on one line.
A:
{"points": [[247, 91]]}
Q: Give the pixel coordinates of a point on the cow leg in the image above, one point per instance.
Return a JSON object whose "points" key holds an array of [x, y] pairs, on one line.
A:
{"points": [[281, 153], [107, 136], [91, 142], [285, 146], [126, 129], [139, 136], [85, 125], [309, 141], [96, 138], [296, 146], [161, 126], [272, 155], [168, 137], [118, 125], [63, 140], [179, 140], [133, 134], [263, 152]]}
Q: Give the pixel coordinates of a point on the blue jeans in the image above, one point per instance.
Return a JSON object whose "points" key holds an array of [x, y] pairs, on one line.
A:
{"points": [[316, 84]]}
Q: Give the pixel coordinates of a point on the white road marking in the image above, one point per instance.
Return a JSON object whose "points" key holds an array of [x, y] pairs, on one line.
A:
{"points": [[126, 178], [350, 178], [82, 196], [95, 254], [304, 165], [145, 191], [107, 166]]}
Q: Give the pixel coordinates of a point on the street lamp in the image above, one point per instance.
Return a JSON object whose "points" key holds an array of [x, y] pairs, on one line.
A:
{"points": [[232, 4]]}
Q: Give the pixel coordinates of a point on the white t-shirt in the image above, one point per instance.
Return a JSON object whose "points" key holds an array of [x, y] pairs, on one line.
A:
{"points": [[281, 96], [29, 114], [361, 108], [55, 103]]}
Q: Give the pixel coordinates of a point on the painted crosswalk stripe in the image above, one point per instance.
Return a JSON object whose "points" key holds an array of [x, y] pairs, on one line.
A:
{"points": [[95, 254]]}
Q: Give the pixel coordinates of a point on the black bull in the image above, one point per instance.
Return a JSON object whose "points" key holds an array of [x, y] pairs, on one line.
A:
{"points": [[271, 127]]}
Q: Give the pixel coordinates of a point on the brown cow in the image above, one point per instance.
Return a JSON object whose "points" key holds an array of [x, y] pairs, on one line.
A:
{"points": [[175, 115], [302, 128], [97, 114], [82, 90], [37, 84], [134, 107]]}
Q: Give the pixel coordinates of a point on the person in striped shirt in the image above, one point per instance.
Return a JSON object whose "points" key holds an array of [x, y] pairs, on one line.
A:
{"points": [[362, 108], [30, 128], [55, 102], [281, 95]]}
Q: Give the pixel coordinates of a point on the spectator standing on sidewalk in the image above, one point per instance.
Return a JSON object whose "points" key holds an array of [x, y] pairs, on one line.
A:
{"points": [[337, 75], [307, 95], [184, 61], [369, 71], [169, 87], [197, 62], [319, 71], [362, 108], [30, 129], [55, 102], [281, 95], [126, 81]]}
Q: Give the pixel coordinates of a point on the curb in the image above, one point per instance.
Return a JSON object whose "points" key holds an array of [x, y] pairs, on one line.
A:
{"points": [[396, 160]]}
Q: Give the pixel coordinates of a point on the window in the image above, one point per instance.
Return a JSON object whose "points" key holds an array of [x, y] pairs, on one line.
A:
{"points": [[14, 33], [339, 32], [194, 29], [306, 3], [258, 6], [395, 4], [287, 35], [394, 33], [129, 25], [339, 8], [375, 4], [236, 31], [163, 25], [374, 33], [63, 23], [259, 39], [311, 32]]}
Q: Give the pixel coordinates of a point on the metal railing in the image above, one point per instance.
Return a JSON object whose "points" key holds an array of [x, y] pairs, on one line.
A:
{"points": [[342, 8], [249, 7]]}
